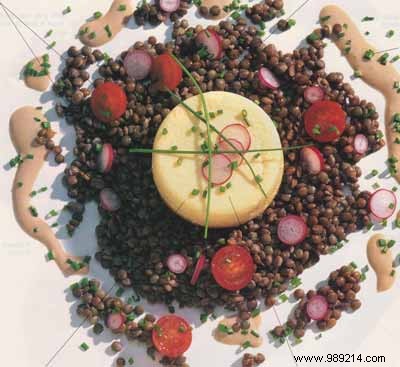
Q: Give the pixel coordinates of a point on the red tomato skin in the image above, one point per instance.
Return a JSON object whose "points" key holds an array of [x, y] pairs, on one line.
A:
{"points": [[246, 263], [185, 339], [329, 116], [166, 71], [108, 102]]}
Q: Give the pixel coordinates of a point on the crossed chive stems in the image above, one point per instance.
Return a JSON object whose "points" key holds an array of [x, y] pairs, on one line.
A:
{"points": [[209, 150]]}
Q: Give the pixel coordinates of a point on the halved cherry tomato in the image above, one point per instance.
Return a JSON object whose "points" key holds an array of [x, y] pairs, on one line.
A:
{"points": [[108, 102], [172, 336], [166, 71], [325, 121], [232, 267]]}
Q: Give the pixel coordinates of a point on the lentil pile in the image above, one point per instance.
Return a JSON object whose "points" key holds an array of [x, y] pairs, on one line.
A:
{"points": [[340, 293], [135, 241], [96, 305]]}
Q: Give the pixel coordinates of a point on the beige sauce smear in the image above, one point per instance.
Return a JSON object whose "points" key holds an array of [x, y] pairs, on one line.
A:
{"points": [[114, 18], [220, 3], [238, 338], [39, 83], [380, 77], [382, 263], [23, 130]]}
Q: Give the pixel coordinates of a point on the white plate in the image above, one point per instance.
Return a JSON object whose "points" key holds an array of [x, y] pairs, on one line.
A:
{"points": [[38, 319]]}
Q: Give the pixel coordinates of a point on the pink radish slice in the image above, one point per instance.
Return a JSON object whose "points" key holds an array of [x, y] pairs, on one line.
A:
{"points": [[212, 41], [238, 132], [223, 146], [109, 200], [115, 321], [197, 270], [292, 230], [313, 94], [361, 144], [382, 203], [317, 308], [137, 64], [267, 79], [312, 160], [177, 263], [221, 170], [105, 158], [169, 6]]}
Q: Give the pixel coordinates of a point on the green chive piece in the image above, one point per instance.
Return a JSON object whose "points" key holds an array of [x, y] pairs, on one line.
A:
{"points": [[203, 318], [255, 312], [258, 178], [225, 329], [108, 30], [325, 18], [383, 58], [50, 256], [353, 265], [316, 130], [395, 58], [374, 172], [49, 33], [33, 211], [283, 298], [195, 192], [20, 184], [84, 347], [393, 273], [35, 230], [92, 35], [229, 185], [97, 14], [234, 165], [246, 345], [122, 7], [254, 333], [120, 291], [367, 19], [291, 23], [357, 73], [67, 10], [165, 131], [131, 361], [222, 189], [369, 54], [52, 45], [390, 33]]}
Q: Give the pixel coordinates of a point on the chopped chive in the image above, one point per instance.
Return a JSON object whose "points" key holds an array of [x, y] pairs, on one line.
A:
{"points": [[195, 192], [395, 58], [49, 33], [313, 37], [375, 185], [283, 298], [235, 15], [390, 33], [391, 243], [84, 347], [225, 329], [374, 172], [20, 184], [319, 336], [33, 211], [367, 33], [35, 230], [120, 291], [394, 188], [179, 161], [122, 7], [203, 317], [131, 361], [255, 156], [393, 273], [244, 115], [325, 18], [367, 19], [369, 54], [295, 282], [92, 35], [174, 147], [347, 49], [229, 185], [194, 129], [254, 333], [291, 23], [234, 165], [108, 30], [244, 332], [29, 156], [258, 178], [97, 14], [52, 45], [316, 130], [383, 58], [353, 265], [212, 114], [67, 10], [255, 312], [50, 256], [204, 194], [83, 31], [55, 224], [165, 131], [246, 345]]}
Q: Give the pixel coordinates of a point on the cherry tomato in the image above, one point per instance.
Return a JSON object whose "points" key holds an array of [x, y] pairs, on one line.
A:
{"points": [[325, 121], [108, 102], [232, 267], [172, 336], [166, 71]]}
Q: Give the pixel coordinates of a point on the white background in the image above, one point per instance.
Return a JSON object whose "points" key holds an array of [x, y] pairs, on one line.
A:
{"points": [[37, 313]]}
